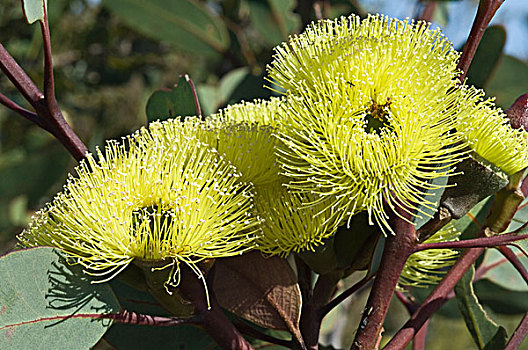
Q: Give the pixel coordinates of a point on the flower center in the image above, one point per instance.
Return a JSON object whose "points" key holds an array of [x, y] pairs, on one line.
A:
{"points": [[377, 117], [152, 219]]}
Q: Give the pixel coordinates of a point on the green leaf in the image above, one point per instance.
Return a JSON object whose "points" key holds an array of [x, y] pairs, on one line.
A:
{"points": [[476, 180], [432, 195], [486, 333], [123, 336], [509, 81], [169, 103], [501, 300], [505, 274], [46, 303], [34, 10], [273, 19], [474, 220], [487, 56], [519, 219], [184, 23]]}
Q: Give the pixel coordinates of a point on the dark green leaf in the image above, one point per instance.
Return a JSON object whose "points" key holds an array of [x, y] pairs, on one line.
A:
{"points": [[46, 303], [432, 195], [170, 103], [486, 333], [34, 10], [509, 81], [273, 19], [355, 242], [477, 180], [124, 336], [501, 300], [473, 221], [184, 23], [487, 56]]}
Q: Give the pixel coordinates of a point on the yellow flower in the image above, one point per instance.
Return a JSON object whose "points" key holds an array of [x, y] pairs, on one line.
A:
{"points": [[487, 130], [291, 221], [161, 194], [428, 267], [245, 137], [369, 113]]}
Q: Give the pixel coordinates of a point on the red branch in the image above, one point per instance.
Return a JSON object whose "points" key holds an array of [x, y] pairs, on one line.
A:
{"points": [[50, 117], [433, 302], [486, 11], [126, 317], [514, 260], [518, 335], [345, 294], [397, 250], [492, 241]]}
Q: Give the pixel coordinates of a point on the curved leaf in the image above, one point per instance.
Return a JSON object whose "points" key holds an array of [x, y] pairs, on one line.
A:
{"points": [[45, 301], [169, 103], [183, 23], [261, 290], [34, 10], [486, 333]]}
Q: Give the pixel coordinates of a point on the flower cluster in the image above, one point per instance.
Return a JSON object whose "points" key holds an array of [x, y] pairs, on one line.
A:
{"points": [[372, 113]]}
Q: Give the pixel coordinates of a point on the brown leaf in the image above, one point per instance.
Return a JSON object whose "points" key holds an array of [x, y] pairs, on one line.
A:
{"points": [[261, 290]]}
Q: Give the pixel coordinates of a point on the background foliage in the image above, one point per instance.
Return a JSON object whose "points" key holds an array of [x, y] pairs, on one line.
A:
{"points": [[111, 55]]}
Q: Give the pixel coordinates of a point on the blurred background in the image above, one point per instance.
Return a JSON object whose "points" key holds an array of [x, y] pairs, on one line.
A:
{"points": [[111, 55]]}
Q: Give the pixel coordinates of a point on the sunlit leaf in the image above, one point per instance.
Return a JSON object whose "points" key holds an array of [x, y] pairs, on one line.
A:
{"points": [[44, 301]]}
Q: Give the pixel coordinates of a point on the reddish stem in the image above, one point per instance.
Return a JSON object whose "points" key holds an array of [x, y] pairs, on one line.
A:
{"points": [[433, 302], [214, 321], [492, 241], [49, 114], [195, 95], [485, 12], [420, 338], [428, 11], [514, 260], [19, 78], [518, 335], [345, 294], [49, 84], [130, 317], [397, 250], [20, 110]]}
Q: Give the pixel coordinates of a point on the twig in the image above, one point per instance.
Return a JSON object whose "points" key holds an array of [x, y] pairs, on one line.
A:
{"points": [[49, 83], [433, 302], [420, 337], [428, 11], [514, 260], [195, 95], [518, 335], [130, 317], [411, 306], [485, 12], [49, 114], [19, 78], [345, 294], [397, 250], [32, 117], [492, 241]]}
